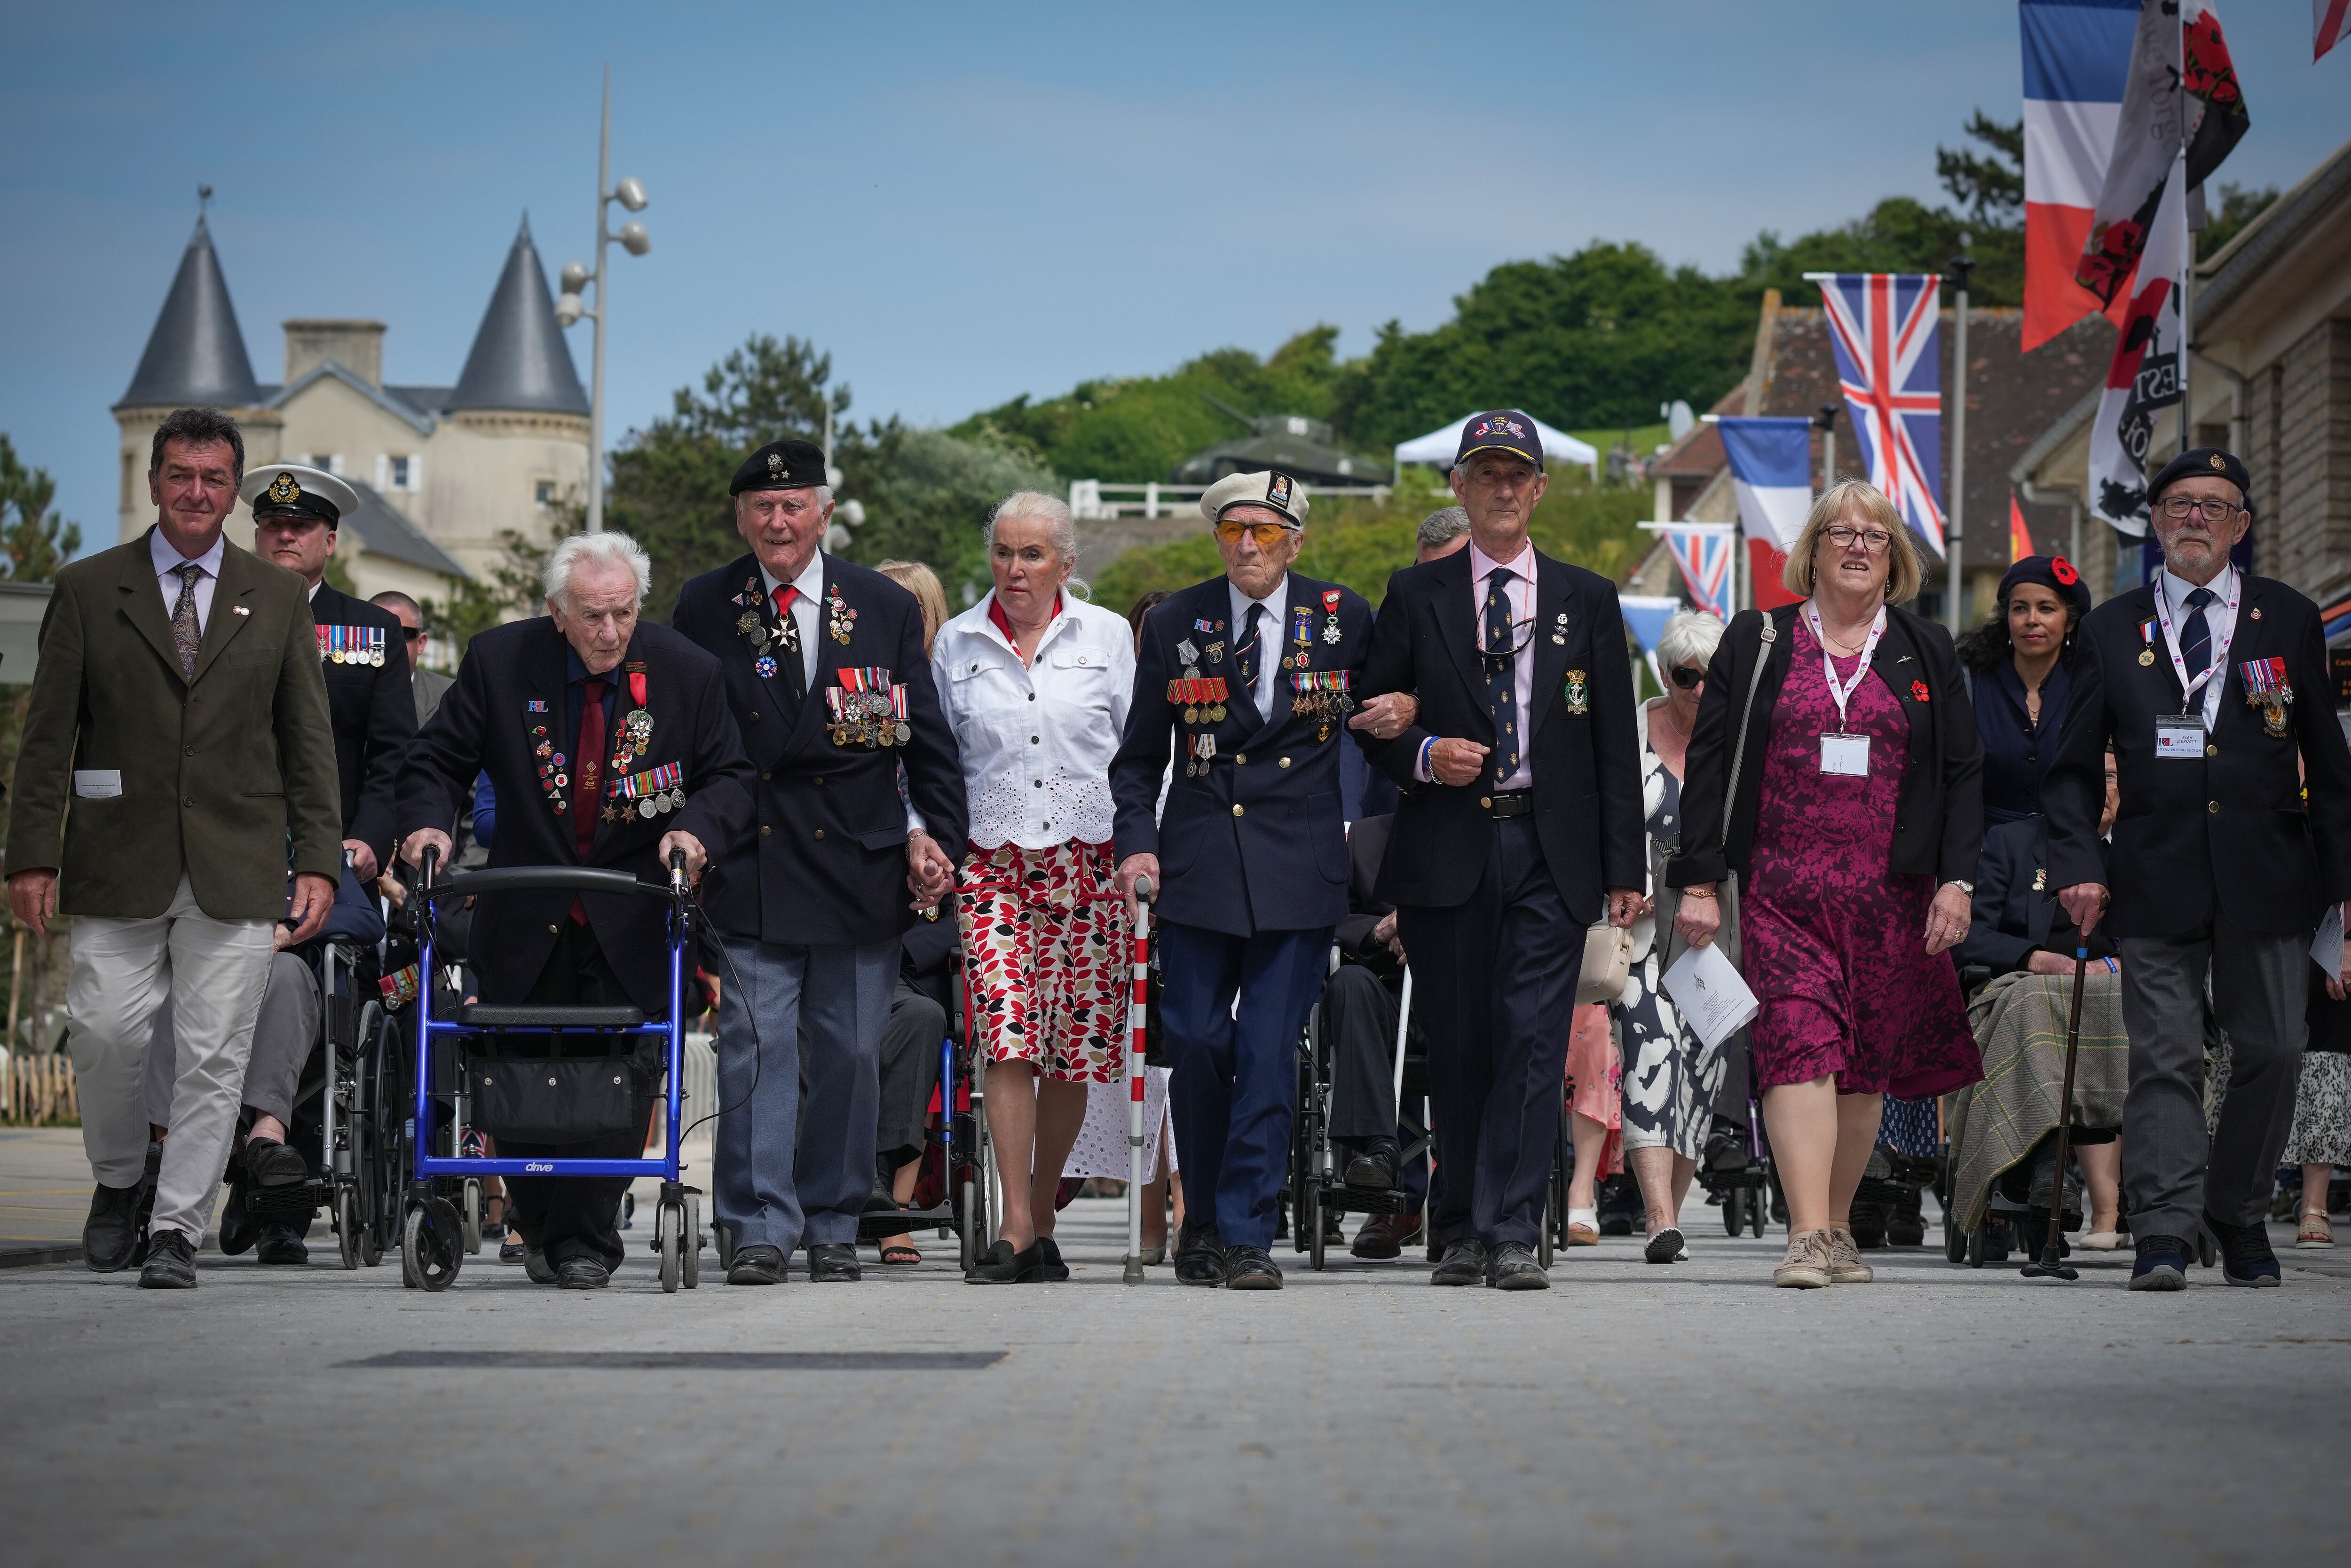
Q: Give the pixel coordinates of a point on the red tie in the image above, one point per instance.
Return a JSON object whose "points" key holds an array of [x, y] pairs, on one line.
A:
{"points": [[587, 766], [785, 597]]}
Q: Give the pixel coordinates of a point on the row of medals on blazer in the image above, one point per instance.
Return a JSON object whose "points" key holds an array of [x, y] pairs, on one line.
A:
{"points": [[2266, 687], [868, 710], [1320, 694], [656, 792]]}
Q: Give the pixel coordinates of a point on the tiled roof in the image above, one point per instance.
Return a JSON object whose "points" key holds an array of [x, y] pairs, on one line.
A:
{"points": [[195, 354], [385, 530]]}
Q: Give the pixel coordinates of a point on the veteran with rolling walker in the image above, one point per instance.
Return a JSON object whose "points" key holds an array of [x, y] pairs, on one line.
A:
{"points": [[1245, 681], [826, 675], [2210, 685]]}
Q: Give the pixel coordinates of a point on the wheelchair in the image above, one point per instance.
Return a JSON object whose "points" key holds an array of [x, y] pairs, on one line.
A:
{"points": [[436, 1232], [1318, 1191]]}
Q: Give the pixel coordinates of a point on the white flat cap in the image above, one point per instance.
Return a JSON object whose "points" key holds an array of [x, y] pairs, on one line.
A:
{"points": [[1279, 491]]}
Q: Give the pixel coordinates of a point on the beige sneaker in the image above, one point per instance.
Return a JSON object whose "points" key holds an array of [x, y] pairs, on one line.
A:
{"points": [[1806, 1265], [1845, 1267]]}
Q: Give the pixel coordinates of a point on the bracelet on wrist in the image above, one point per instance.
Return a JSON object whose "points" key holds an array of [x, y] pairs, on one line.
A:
{"points": [[1697, 893]]}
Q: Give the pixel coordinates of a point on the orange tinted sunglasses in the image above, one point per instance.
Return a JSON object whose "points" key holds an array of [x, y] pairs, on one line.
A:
{"points": [[1266, 535]]}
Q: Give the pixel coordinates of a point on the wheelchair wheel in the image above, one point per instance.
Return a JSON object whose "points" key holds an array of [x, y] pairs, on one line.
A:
{"points": [[1734, 1210], [725, 1240], [470, 1217], [669, 1240], [1309, 1220], [1955, 1240], [430, 1252], [346, 1228], [1756, 1213], [691, 1265]]}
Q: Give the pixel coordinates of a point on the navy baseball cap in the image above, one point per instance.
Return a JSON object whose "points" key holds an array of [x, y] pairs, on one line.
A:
{"points": [[1503, 429]]}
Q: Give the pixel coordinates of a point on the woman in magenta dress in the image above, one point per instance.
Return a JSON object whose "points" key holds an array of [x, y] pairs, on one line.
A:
{"points": [[1853, 827]]}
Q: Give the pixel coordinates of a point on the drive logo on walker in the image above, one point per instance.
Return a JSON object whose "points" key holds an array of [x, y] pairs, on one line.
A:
{"points": [[537, 1166]]}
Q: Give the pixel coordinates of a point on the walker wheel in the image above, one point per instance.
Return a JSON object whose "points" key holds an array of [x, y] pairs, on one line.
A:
{"points": [[691, 1264], [431, 1245], [669, 1223], [726, 1239], [347, 1229], [470, 1217], [1734, 1211], [1756, 1217], [1310, 1216]]}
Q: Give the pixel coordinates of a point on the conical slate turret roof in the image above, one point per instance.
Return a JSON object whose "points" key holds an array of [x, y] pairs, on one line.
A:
{"points": [[195, 354], [520, 360]]}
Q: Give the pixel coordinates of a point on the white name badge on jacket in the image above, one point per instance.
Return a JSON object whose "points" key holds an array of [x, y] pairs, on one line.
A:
{"points": [[97, 783], [1847, 755], [2179, 735]]}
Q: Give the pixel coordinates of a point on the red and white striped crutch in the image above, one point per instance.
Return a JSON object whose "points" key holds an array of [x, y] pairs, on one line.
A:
{"points": [[1138, 909]]}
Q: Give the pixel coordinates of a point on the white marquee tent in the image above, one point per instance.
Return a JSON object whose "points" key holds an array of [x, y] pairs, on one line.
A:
{"points": [[1440, 445]]}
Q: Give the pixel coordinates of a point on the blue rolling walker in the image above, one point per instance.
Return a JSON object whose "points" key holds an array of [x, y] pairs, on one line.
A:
{"points": [[432, 1238]]}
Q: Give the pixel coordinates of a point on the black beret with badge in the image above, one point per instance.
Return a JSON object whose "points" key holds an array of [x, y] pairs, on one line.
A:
{"points": [[2204, 463], [786, 465], [298, 490]]}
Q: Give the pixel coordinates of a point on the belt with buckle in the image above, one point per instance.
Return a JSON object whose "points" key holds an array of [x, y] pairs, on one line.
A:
{"points": [[1503, 803]]}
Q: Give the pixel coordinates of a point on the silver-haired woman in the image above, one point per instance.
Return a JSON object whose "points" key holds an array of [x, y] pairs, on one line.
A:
{"points": [[1670, 1077]]}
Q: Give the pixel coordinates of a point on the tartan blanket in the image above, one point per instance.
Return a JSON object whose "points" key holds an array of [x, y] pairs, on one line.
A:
{"points": [[2019, 1024]]}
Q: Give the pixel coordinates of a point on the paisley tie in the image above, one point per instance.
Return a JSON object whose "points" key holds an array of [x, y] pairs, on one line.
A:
{"points": [[186, 633]]}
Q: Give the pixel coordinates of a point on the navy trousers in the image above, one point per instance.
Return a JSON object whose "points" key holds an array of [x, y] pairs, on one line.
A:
{"points": [[793, 1158], [1494, 981], [1234, 1091]]}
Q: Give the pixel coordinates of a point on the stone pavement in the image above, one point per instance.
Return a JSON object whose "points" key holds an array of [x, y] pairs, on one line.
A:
{"points": [[1655, 1414]]}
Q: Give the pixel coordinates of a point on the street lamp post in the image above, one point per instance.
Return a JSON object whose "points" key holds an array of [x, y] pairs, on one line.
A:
{"points": [[576, 279], [1954, 534]]}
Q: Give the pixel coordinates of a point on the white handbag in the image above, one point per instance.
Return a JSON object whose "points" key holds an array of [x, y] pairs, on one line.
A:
{"points": [[1607, 963]]}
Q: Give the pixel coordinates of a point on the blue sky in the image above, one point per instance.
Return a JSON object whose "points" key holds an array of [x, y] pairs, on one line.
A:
{"points": [[959, 203]]}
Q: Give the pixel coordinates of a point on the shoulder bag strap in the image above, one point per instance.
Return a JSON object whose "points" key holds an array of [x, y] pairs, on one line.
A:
{"points": [[1728, 891]]}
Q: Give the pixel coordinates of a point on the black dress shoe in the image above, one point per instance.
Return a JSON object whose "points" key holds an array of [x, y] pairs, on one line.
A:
{"points": [[758, 1264], [1048, 1256], [271, 1163], [535, 1264], [1383, 1235], [238, 1228], [1513, 1267], [1373, 1166], [1251, 1269], [2245, 1255], [579, 1273], [832, 1263], [1000, 1265], [171, 1263], [281, 1243], [1199, 1256], [1463, 1263], [110, 1234]]}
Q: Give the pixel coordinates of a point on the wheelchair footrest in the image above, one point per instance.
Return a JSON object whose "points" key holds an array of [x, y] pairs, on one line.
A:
{"points": [[1340, 1198], [297, 1200], [875, 1224]]}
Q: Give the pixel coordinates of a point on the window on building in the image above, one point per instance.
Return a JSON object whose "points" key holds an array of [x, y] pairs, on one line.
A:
{"points": [[400, 480], [543, 492]]}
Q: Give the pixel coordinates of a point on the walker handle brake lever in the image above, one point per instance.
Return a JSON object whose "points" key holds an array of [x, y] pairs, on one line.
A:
{"points": [[677, 879]]}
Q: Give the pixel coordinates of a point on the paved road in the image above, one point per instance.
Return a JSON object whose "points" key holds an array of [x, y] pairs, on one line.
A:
{"points": [[1652, 1415]]}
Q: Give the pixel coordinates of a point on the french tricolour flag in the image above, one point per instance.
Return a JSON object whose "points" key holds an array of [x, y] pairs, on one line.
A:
{"points": [[1771, 471], [2077, 54]]}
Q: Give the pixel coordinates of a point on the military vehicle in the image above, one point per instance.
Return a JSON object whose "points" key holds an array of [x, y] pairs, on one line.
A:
{"points": [[1301, 447]]}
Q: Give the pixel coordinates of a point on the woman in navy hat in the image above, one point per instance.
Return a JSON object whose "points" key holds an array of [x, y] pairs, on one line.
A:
{"points": [[2022, 663]]}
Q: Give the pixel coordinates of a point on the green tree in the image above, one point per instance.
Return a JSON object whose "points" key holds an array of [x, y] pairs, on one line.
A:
{"points": [[34, 540], [1992, 188], [2238, 206]]}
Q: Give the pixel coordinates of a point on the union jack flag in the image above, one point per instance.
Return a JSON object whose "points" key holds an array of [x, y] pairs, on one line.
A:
{"points": [[1885, 326], [1703, 555]]}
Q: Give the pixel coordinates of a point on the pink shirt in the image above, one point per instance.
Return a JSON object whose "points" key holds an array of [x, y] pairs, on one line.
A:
{"points": [[1520, 592]]}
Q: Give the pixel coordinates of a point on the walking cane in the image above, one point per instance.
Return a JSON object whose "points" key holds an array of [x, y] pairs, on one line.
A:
{"points": [[1137, 1007], [2049, 1266], [1404, 1024]]}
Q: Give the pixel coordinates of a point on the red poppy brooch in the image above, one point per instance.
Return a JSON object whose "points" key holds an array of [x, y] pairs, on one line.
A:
{"points": [[1917, 691], [2062, 570]]}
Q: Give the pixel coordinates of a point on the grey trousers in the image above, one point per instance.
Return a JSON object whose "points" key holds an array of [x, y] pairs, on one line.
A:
{"points": [[909, 1073], [284, 1036], [793, 1167], [2173, 1174], [1362, 1018]]}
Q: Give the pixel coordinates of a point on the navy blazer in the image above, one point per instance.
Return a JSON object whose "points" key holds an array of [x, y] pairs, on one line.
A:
{"points": [[1585, 765], [2226, 834], [512, 684], [826, 862], [2017, 752], [1256, 844], [374, 708], [2016, 908]]}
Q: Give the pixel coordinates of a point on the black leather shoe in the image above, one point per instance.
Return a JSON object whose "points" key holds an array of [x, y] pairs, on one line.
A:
{"points": [[1463, 1263], [535, 1264], [110, 1234], [271, 1163], [171, 1263], [1049, 1257], [2245, 1255], [758, 1264], [1199, 1256], [1373, 1166], [832, 1263], [1513, 1267], [281, 1243], [1383, 1235], [1251, 1269], [238, 1228], [576, 1273], [2161, 1264], [1000, 1265]]}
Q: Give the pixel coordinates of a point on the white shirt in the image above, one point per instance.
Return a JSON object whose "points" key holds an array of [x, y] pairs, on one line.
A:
{"points": [[168, 562], [1037, 740], [1268, 651], [2218, 617], [810, 582]]}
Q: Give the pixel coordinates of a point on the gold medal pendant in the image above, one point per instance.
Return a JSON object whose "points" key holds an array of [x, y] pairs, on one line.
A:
{"points": [[2147, 656]]}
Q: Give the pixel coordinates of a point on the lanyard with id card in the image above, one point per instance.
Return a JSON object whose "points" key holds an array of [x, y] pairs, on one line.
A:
{"points": [[1844, 756], [2179, 735]]}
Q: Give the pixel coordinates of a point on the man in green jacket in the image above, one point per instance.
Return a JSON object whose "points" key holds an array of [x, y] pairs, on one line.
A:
{"points": [[176, 755]]}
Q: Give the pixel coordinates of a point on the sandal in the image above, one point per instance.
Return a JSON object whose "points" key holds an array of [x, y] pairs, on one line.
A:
{"points": [[898, 1254], [1584, 1227], [2317, 1229]]}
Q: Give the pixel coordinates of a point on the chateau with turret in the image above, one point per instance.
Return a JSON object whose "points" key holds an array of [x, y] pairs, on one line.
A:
{"points": [[440, 470]]}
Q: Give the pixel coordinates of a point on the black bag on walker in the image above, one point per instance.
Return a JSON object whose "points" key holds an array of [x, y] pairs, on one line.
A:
{"points": [[553, 1100]]}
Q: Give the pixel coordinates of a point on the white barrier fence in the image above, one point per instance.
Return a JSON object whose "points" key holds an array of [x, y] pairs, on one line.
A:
{"points": [[1093, 499]]}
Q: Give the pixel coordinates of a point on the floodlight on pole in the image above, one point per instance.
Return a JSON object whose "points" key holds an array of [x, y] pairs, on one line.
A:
{"points": [[577, 279]]}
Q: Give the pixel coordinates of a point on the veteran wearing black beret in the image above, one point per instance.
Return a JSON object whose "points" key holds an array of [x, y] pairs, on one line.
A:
{"points": [[825, 669], [2210, 685]]}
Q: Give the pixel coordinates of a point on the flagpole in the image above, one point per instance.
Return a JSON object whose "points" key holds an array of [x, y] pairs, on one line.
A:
{"points": [[1954, 532]]}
